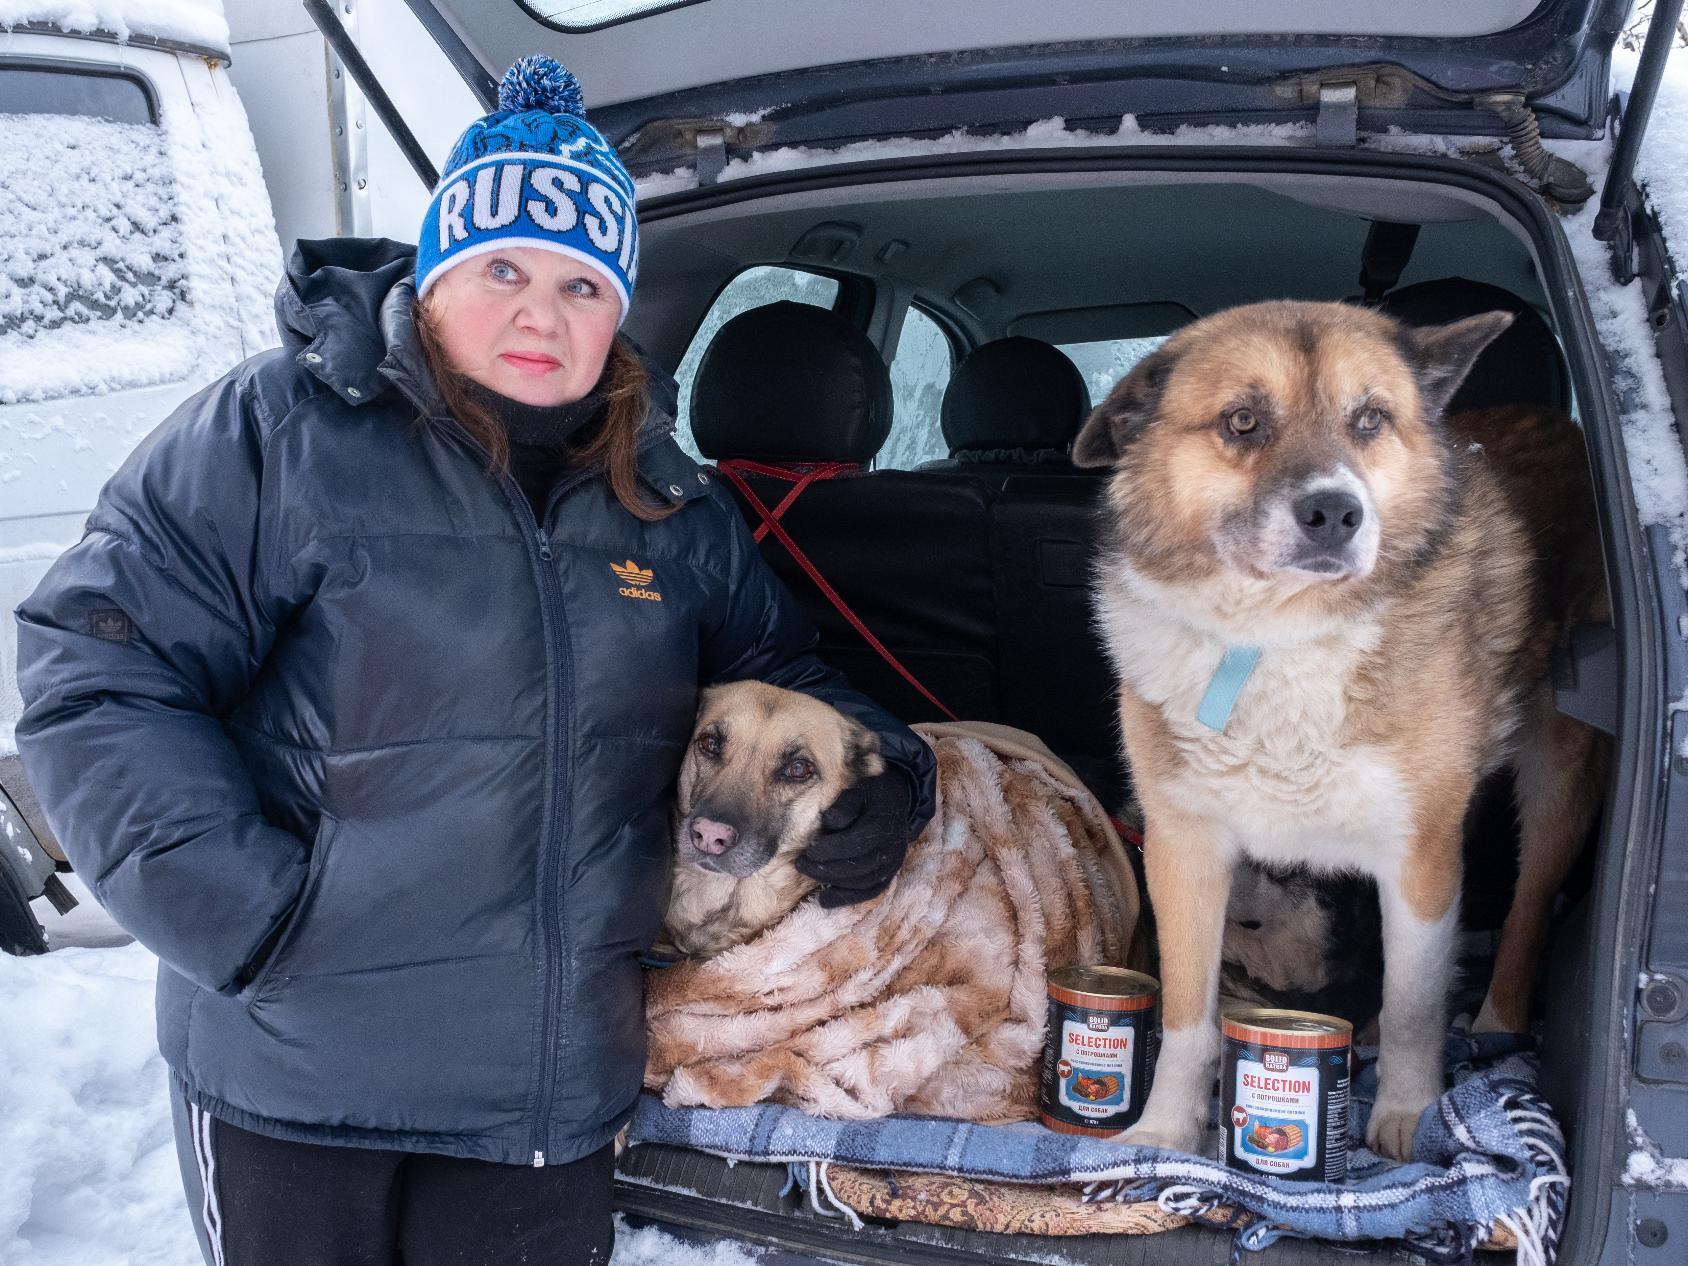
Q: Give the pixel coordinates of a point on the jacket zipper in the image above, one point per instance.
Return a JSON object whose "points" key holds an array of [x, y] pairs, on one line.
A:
{"points": [[554, 629], [556, 636]]}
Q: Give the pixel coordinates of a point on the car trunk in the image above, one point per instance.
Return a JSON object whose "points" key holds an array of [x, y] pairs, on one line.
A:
{"points": [[999, 235], [1128, 234]]}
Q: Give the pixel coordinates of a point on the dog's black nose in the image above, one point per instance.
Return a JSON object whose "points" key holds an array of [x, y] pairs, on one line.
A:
{"points": [[1329, 517]]}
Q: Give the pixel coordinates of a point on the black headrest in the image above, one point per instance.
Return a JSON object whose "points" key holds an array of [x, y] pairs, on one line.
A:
{"points": [[1014, 393], [1523, 366], [791, 382]]}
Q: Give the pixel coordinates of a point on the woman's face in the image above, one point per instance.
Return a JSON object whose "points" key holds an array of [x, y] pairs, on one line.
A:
{"points": [[530, 324]]}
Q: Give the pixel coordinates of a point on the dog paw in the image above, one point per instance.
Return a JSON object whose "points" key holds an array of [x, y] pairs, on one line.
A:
{"points": [[1390, 1130], [1172, 1138]]}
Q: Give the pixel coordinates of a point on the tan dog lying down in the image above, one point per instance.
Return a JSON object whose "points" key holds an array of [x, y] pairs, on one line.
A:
{"points": [[929, 998]]}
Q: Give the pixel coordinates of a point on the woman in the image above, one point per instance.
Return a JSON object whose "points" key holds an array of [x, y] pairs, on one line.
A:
{"points": [[360, 701]]}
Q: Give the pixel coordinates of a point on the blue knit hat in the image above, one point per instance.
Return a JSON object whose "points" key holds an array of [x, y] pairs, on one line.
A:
{"points": [[534, 172]]}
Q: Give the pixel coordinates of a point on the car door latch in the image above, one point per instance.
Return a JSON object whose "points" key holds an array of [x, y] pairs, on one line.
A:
{"points": [[1339, 114]]}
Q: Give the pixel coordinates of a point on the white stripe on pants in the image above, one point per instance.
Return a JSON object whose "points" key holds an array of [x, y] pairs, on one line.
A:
{"points": [[213, 1216]]}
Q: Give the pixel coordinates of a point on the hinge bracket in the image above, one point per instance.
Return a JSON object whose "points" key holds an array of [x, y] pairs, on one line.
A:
{"points": [[711, 156], [667, 144], [1339, 114]]}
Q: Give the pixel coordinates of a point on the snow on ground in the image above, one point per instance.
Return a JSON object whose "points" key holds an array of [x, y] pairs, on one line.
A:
{"points": [[198, 22], [648, 1246], [90, 1160], [84, 1120]]}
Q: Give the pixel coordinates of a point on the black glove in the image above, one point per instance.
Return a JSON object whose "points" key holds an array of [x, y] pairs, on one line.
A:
{"points": [[862, 841]]}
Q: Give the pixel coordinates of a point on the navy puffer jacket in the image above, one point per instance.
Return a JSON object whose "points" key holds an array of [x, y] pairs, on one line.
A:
{"points": [[312, 670]]}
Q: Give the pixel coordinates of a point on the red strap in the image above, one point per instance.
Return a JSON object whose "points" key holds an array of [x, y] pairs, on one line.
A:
{"points": [[803, 477], [1130, 834]]}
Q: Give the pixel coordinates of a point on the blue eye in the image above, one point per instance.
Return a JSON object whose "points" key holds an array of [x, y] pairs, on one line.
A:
{"points": [[503, 270], [583, 287]]}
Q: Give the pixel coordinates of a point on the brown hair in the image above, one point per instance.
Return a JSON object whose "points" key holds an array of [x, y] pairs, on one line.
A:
{"points": [[612, 448]]}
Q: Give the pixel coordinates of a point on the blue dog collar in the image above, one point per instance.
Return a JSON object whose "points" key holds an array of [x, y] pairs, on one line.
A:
{"points": [[1236, 666]]}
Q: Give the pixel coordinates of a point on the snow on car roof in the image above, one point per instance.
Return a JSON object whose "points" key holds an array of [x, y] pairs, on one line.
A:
{"points": [[200, 23]]}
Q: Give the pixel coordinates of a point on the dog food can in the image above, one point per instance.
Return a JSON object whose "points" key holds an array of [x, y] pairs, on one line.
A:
{"points": [[1283, 1084], [1099, 1052]]}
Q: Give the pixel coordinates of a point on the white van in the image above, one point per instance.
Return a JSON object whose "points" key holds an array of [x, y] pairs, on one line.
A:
{"points": [[138, 262]]}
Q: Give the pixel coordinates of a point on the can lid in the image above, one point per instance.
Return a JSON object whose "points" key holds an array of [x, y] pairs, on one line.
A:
{"points": [[1274, 1026], [1103, 988]]}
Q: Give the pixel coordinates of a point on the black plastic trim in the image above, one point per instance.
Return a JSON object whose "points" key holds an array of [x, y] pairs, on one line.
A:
{"points": [[1632, 824], [20, 934], [210, 54]]}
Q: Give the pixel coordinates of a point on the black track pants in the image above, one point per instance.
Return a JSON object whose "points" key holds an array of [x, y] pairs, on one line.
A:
{"points": [[259, 1201]]}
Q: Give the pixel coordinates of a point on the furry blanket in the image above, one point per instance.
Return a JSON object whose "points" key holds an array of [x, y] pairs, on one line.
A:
{"points": [[930, 998]]}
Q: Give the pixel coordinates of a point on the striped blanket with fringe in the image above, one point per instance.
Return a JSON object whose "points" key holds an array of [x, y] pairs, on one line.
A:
{"points": [[1488, 1158]]}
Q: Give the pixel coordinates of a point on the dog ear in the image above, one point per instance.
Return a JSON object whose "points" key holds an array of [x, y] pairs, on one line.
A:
{"points": [[1125, 414], [861, 752], [1442, 355]]}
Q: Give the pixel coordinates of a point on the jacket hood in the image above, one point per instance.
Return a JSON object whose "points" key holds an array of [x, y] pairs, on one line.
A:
{"points": [[344, 307], [333, 290]]}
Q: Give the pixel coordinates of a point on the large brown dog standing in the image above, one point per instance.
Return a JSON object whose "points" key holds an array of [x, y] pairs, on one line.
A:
{"points": [[1285, 482]]}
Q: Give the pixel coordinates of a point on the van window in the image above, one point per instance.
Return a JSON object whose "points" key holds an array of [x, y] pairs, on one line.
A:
{"points": [[920, 371], [1106, 362], [93, 273], [42, 90], [753, 288]]}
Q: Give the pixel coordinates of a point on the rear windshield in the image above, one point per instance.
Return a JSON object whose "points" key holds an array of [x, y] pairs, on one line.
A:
{"points": [[1104, 363], [92, 264], [588, 15]]}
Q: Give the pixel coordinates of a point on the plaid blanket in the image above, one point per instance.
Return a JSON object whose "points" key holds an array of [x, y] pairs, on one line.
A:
{"points": [[1489, 1154]]}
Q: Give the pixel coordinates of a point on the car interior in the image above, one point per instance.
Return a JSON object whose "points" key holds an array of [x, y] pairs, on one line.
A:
{"points": [[973, 566], [972, 569]]}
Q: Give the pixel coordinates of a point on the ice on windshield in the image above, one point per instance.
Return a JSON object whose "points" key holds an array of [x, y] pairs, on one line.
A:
{"points": [[1104, 363], [93, 262]]}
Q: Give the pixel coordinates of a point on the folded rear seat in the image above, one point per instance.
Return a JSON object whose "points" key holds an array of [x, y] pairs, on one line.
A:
{"points": [[791, 384]]}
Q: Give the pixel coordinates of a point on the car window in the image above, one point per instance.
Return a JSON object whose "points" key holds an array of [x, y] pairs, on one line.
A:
{"points": [[1104, 363], [588, 15], [919, 373], [39, 90], [93, 270], [753, 288]]}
